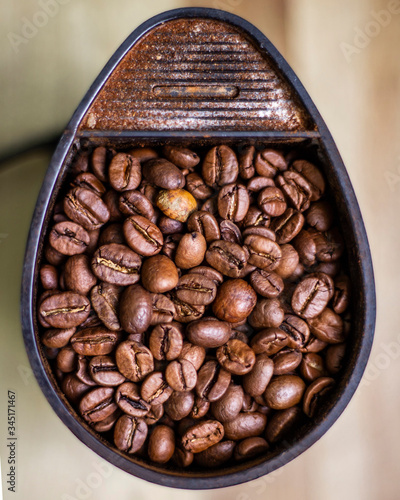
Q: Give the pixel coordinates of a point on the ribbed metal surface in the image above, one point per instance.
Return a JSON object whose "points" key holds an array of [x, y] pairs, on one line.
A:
{"points": [[196, 74]]}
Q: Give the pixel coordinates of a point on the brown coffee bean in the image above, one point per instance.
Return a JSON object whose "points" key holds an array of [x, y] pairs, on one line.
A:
{"points": [[154, 414], [284, 391], [185, 312], [266, 283], [64, 309], [80, 163], [236, 357], [163, 309], [104, 371], [73, 388], [271, 201], [107, 423], [196, 289], [212, 381], [246, 159], [97, 404], [296, 189], [111, 199], [124, 172], [320, 216], [95, 341], [181, 157], [57, 337], [234, 301], [267, 313], [112, 233], [228, 258], [78, 276], [127, 397], [269, 162], [134, 360], [105, 301], [255, 382], [288, 225], [286, 361], [209, 272], [89, 181], [169, 226], [49, 277], [135, 203], [312, 367], [163, 174], [197, 187], [67, 359], [269, 341], [297, 331], [86, 208], [159, 274], [288, 263], [143, 154], [334, 358], [68, 238], [182, 458], [282, 423], [193, 353], [314, 393], [216, 455], [142, 235], [191, 250], [220, 166], [233, 202], [250, 448], [181, 375], [130, 433], [312, 295], [264, 253], [256, 218], [229, 231], [179, 404], [202, 435], [229, 405], [328, 327], [204, 223], [177, 204], [166, 340], [101, 156], [116, 264], [208, 333], [82, 371], [245, 425], [314, 177], [155, 389], [341, 295], [136, 309]]}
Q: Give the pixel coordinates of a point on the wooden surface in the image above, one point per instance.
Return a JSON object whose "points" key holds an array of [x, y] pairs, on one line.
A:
{"points": [[354, 79]]}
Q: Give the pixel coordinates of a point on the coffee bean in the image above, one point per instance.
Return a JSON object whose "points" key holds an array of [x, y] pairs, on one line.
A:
{"points": [[313, 176], [86, 208], [229, 405], [83, 373], [197, 187], [246, 159], [166, 341], [269, 162], [124, 172], [296, 189], [286, 361], [220, 166], [263, 252], [127, 397], [73, 388], [200, 408], [179, 404], [269, 341], [228, 258], [335, 358], [204, 223], [202, 435], [100, 158], [105, 301], [271, 201], [142, 235], [177, 204], [284, 391], [193, 353], [316, 391], [130, 433], [341, 295], [169, 226], [266, 283], [181, 157], [236, 357], [233, 202], [250, 448], [182, 458], [57, 337], [208, 333], [134, 360], [104, 371], [136, 309], [328, 327], [49, 277], [185, 312], [267, 313], [216, 455], [288, 225], [95, 341], [159, 274], [155, 389], [154, 414], [163, 174], [282, 423], [230, 232], [97, 404], [135, 203], [235, 300], [297, 331], [320, 216], [78, 275], [64, 309], [196, 289], [191, 250], [143, 154], [212, 381], [69, 238], [312, 295], [163, 309], [116, 264], [67, 359], [256, 381], [312, 367], [245, 425], [107, 423], [89, 181]]}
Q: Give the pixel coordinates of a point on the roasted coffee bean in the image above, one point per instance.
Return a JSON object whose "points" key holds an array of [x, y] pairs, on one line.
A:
{"points": [[263, 231], [250, 448], [266, 283], [208, 272], [97, 404], [288, 225], [297, 331], [269, 162], [154, 414], [185, 312], [142, 235], [111, 199], [163, 174], [159, 274], [86, 208], [171, 244], [178, 204], [271, 201], [105, 301], [314, 393], [208, 333], [215, 455], [80, 163], [95, 341], [181, 375], [255, 382], [236, 357], [200, 408], [233, 202], [49, 277], [229, 231], [68, 238], [67, 359], [64, 309], [245, 425], [163, 309], [107, 423], [104, 371], [196, 289], [112, 233], [256, 184], [284, 391], [246, 159], [256, 218], [101, 156], [296, 189], [341, 295], [328, 327], [312, 175], [166, 341], [182, 458], [220, 166], [82, 371], [313, 345], [312, 367], [320, 216], [134, 360], [312, 295], [127, 397], [135, 309], [228, 258], [130, 433], [89, 181], [124, 172], [267, 313], [335, 357], [191, 250], [197, 187], [179, 404], [57, 337], [143, 154], [282, 423], [204, 223], [193, 353], [288, 263], [155, 389], [229, 405], [74, 388], [169, 226], [202, 435], [181, 157], [235, 300], [135, 203], [269, 341], [78, 276], [212, 381], [286, 361], [116, 264], [263, 252]]}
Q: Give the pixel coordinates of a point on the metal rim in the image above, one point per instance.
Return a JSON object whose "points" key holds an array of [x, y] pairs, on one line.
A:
{"points": [[32, 250]]}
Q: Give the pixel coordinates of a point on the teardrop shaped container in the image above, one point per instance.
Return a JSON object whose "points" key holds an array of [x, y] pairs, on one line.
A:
{"points": [[203, 77]]}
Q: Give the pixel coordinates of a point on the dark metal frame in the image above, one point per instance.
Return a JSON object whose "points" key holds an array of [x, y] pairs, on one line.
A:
{"points": [[357, 246]]}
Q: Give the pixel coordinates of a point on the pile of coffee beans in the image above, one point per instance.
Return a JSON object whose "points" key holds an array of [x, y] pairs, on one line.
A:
{"points": [[194, 303]]}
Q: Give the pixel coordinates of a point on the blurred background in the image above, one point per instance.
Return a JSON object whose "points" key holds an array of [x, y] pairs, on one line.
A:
{"points": [[346, 53]]}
